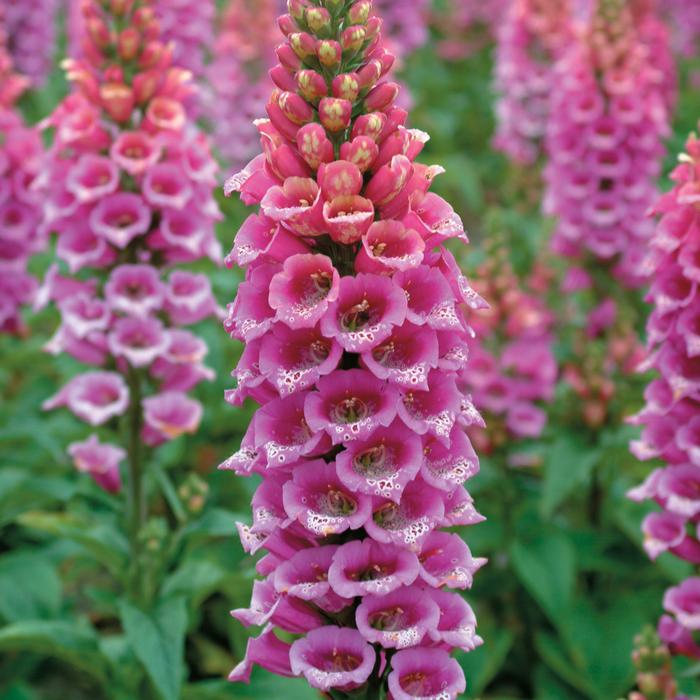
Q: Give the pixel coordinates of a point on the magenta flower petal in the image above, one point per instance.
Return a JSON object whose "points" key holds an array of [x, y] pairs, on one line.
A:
{"points": [[166, 186], [425, 674], [266, 651], [135, 290], [446, 561], [171, 414], [446, 467], [368, 307], [295, 360], [92, 178], [409, 522], [381, 465], [302, 291], [282, 432], [406, 357], [99, 460], [332, 657], [367, 567], [139, 340], [398, 619], [321, 502], [457, 624], [120, 217], [350, 405]]}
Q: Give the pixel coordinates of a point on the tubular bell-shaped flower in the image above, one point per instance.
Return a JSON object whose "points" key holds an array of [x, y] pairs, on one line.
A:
{"points": [[20, 160], [354, 319], [123, 166], [532, 38], [671, 416], [608, 118]]}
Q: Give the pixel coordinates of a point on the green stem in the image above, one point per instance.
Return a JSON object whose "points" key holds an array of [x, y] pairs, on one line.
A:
{"points": [[136, 496]]}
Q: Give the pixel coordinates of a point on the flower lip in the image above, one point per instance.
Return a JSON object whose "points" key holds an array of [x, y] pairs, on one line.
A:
{"points": [[367, 308], [141, 340], [392, 246], [166, 186], [406, 357], [305, 575], [350, 405], [383, 464], [134, 152], [302, 291], [92, 177], [425, 674], [171, 414], [398, 619], [364, 567], [100, 460], [321, 503], [120, 217], [294, 360], [134, 289], [333, 657]]}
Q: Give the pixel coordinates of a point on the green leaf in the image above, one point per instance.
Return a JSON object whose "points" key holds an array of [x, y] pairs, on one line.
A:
{"points": [[157, 639], [215, 522], [568, 466], [75, 645], [104, 542], [196, 579], [546, 566], [263, 685], [483, 664], [29, 587], [551, 652]]}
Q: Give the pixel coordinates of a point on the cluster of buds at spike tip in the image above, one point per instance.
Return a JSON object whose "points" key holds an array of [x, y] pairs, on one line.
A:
{"points": [[512, 370], [20, 210], [652, 661], [128, 189], [31, 36], [608, 119], [238, 76], [533, 36], [671, 416], [353, 315]]}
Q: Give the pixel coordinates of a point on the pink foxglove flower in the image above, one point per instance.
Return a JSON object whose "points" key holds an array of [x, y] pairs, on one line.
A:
{"points": [[190, 26], [128, 184], [354, 319], [608, 119], [671, 415], [20, 231], [533, 36], [31, 29], [242, 55], [512, 370]]}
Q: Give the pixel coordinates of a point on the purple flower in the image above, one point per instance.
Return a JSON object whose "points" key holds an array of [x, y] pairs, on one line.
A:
{"points": [[135, 290], [367, 567], [425, 674], [101, 461], [350, 405], [120, 217], [332, 657], [398, 619], [354, 320]]}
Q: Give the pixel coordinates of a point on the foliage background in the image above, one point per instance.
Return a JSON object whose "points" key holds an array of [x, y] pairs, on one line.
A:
{"points": [[567, 586]]}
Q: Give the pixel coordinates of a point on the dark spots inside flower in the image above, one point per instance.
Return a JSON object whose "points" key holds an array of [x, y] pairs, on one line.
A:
{"points": [[320, 574], [384, 353], [424, 556], [390, 620], [606, 184], [378, 249], [339, 503], [356, 317], [350, 410], [371, 462]]}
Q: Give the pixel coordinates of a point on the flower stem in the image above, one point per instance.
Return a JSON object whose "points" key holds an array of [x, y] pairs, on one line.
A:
{"points": [[136, 500]]}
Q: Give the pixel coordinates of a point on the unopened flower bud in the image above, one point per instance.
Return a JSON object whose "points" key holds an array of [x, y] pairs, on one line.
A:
{"points": [[318, 19], [329, 53], [128, 43], [346, 86], [118, 100], [335, 114], [352, 38], [359, 12], [303, 44], [311, 85]]}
